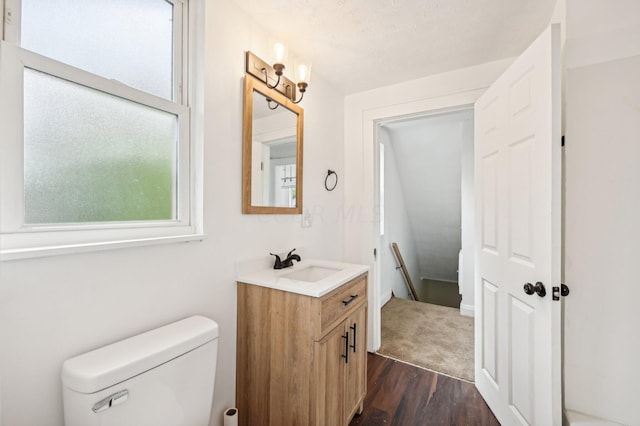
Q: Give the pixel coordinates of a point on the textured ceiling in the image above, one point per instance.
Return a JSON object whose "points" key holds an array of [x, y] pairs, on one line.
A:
{"points": [[363, 44]]}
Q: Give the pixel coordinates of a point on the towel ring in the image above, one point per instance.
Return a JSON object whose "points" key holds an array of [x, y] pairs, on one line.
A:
{"points": [[326, 180]]}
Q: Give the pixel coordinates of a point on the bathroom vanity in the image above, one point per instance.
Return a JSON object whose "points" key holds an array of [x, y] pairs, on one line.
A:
{"points": [[301, 344]]}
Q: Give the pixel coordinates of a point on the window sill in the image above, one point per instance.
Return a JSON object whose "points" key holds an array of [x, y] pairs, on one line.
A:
{"points": [[33, 252]]}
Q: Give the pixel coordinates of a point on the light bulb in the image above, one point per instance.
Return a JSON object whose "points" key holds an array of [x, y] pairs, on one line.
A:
{"points": [[279, 53], [303, 73]]}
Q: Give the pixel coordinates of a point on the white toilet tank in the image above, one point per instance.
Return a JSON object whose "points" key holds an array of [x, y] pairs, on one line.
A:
{"points": [[163, 377]]}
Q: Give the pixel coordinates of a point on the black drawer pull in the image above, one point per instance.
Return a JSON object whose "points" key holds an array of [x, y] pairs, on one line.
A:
{"points": [[351, 299]]}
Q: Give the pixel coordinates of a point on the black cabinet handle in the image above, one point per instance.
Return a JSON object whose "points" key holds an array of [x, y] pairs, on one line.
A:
{"points": [[353, 327], [345, 336], [349, 300]]}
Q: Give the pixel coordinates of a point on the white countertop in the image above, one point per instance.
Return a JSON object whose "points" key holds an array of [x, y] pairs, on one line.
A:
{"points": [[273, 278]]}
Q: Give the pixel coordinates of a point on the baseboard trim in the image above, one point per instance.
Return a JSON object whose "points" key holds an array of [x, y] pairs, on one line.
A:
{"points": [[575, 418], [467, 310], [385, 298]]}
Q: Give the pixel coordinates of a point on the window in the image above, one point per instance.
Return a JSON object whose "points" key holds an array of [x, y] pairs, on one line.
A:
{"points": [[95, 115]]}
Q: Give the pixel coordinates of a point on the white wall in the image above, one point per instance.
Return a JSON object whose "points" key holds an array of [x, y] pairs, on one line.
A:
{"points": [[602, 342], [362, 111], [57, 307], [428, 151], [397, 229], [602, 154]]}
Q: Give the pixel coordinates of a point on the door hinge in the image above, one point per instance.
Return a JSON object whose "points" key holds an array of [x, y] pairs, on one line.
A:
{"points": [[556, 292], [375, 253], [562, 142]]}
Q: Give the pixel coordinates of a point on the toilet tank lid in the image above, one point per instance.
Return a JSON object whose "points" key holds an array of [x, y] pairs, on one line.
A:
{"points": [[108, 365]]}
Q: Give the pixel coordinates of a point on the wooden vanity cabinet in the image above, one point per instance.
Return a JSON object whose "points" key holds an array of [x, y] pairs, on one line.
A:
{"points": [[340, 368], [301, 360]]}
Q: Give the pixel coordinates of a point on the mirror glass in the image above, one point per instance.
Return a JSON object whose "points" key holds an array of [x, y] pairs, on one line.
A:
{"points": [[272, 151]]}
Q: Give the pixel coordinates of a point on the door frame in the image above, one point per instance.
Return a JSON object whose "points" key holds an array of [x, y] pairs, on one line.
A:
{"points": [[370, 120]]}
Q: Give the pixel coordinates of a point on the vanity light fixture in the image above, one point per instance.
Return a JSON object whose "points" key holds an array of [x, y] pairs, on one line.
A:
{"points": [[303, 74], [279, 56], [275, 73]]}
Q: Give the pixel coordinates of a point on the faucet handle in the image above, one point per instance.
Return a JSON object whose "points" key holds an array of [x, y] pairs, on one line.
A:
{"points": [[291, 257], [278, 262]]}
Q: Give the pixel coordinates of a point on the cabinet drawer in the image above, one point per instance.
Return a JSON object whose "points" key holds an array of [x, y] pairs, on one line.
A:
{"points": [[340, 302]]}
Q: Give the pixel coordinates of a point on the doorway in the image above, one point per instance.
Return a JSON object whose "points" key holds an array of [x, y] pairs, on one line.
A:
{"points": [[425, 166], [361, 243], [426, 204], [533, 81]]}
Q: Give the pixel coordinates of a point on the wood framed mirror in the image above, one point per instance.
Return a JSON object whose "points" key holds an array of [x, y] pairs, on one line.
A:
{"points": [[271, 151]]}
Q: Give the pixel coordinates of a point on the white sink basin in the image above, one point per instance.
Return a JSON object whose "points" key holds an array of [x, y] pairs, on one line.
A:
{"points": [[311, 273], [311, 277]]}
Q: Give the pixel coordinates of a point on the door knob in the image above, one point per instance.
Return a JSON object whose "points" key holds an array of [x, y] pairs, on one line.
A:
{"points": [[538, 288]]}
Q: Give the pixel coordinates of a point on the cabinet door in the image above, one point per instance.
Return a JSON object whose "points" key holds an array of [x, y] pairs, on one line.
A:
{"points": [[356, 368], [329, 370]]}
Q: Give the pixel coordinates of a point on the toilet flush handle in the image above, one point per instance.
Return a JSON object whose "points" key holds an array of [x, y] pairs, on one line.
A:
{"points": [[114, 399]]}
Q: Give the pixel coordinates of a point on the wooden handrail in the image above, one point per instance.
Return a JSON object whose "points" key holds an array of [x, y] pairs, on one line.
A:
{"points": [[405, 272]]}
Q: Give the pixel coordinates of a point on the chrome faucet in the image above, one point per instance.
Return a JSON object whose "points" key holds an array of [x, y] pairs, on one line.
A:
{"points": [[281, 264]]}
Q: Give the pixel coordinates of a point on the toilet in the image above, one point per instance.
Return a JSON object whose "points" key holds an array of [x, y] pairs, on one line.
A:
{"points": [[163, 377]]}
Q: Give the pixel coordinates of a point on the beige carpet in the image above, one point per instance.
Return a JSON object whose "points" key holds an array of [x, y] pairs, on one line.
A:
{"points": [[434, 337]]}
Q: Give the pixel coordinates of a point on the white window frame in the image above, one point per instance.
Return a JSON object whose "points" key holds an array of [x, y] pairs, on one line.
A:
{"points": [[20, 240]]}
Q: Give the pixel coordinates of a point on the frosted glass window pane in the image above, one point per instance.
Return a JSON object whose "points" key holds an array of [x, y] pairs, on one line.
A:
{"points": [[94, 157], [126, 40]]}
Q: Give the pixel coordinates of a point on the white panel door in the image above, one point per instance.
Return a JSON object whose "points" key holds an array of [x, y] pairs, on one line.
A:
{"points": [[517, 158]]}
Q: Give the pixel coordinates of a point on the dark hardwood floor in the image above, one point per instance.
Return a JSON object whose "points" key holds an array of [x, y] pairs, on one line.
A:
{"points": [[403, 395]]}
